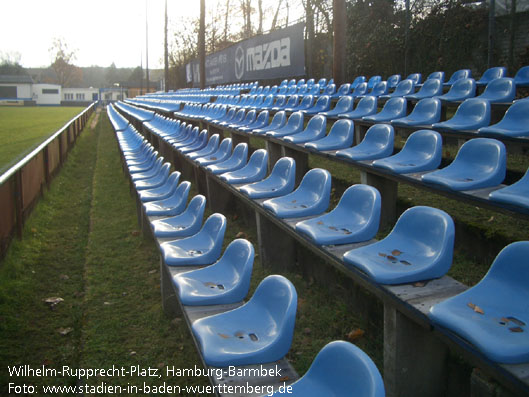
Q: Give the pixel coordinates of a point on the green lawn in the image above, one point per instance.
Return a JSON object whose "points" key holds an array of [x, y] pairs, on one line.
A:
{"points": [[23, 128]]}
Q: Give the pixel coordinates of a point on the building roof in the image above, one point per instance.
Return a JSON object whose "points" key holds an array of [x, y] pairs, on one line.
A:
{"points": [[15, 79]]}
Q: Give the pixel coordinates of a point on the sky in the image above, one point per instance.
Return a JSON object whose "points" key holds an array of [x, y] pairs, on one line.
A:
{"points": [[101, 32]]}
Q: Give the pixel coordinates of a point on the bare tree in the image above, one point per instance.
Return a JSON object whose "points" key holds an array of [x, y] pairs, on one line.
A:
{"points": [[274, 21], [260, 6], [67, 73]]}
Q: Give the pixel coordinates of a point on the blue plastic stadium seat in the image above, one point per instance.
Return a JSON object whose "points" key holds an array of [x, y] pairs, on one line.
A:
{"points": [[202, 248], [472, 114], [356, 218], [147, 172], [516, 194], [358, 80], [293, 126], [462, 89], [422, 152], [339, 369], [430, 88], [394, 108], [499, 90], [279, 104], [170, 206], [278, 121], [236, 161], [322, 82], [492, 315], [157, 180], [221, 154], [211, 147], [393, 80], [380, 88], [312, 197], [491, 74], [360, 90], [420, 247], [253, 171], [293, 102], [515, 123], [521, 78], [426, 112], [260, 121], [365, 107], [281, 181], [458, 75], [226, 281], [340, 136], [439, 75], [345, 104], [377, 143], [185, 224], [260, 331], [373, 81], [315, 129], [322, 104], [190, 139], [405, 87], [344, 89], [329, 90], [479, 163], [415, 77], [200, 143]]}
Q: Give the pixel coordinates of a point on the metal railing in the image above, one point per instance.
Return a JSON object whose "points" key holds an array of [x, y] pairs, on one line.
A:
{"points": [[23, 184]]}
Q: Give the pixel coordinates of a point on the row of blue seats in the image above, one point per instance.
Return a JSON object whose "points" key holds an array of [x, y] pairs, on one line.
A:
{"points": [[419, 247], [422, 152], [246, 334]]}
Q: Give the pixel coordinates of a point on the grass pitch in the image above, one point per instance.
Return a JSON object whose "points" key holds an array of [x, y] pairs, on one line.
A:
{"points": [[24, 128]]}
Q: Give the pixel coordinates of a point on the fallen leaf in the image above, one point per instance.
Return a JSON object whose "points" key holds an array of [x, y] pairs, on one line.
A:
{"points": [[420, 284], [132, 353], [33, 230], [293, 201], [515, 320], [135, 233], [391, 258], [516, 329], [64, 277], [152, 271], [241, 235], [479, 310], [355, 334], [346, 231], [396, 252], [333, 228], [491, 219], [284, 379], [224, 336], [53, 300], [382, 254], [319, 223], [65, 331], [471, 305], [405, 263]]}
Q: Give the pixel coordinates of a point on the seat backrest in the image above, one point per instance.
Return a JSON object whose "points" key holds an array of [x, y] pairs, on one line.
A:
{"points": [[214, 228], [428, 108], [432, 87], [258, 158], [431, 228], [463, 86], [502, 88], [405, 87], [262, 116], [280, 101], [302, 89], [474, 108], [344, 89], [345, 370], [393, 80], [485, 154], [316, 180], [322, 82], [459, 74], [284, 168], [292, 101], [317, 122], [300, 82], [310, 82], [380, 134], [250, 116], [518, 112], [344, 104], [295, 121], [330, 89], [358, 80], [196, 206], [279, 120], [213, 142], [440, 75], [360, 89], [373, 80], [367, 103], [240, 151], [306, 102], [426, 142], [494, 73], [510, 267], [239, 254], [395, 106], [278, 297], [225, 146], [342, 129], [322, 103], [522, 74], [380, 88], [415, 77]]}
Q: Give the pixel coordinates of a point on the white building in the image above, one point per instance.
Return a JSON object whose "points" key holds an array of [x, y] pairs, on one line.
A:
{"points": [[83, 96], [15, 89], [46, 94]]}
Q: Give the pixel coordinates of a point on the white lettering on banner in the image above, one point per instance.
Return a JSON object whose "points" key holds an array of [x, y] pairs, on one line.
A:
{"points": [[269, 55]]}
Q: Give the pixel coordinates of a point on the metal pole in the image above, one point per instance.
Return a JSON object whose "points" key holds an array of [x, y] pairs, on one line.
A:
{"points": [[202, 44], [490, 59], [339, 31], [146, 49], [166, 52], [406, 38]]}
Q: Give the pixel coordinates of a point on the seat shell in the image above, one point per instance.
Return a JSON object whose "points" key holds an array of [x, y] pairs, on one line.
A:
{"points": [[458, 75], [500, 90], [340, 136], [497, 331], [430, 88], [221, 154], [421, 152], [515, 123], [258, 332], [236, 161], [462, 89], [315, 129], [281, 181], [293, 126], [479, 163], [340, 369], [405, 87], [521, 78], [365, 107], [516, 194], [426, 112], [491, 74], [394, 108], [420, 247], [355, 218], [253, 171], [377, 143], [202, 248], [185, 224], [345, 104], [312, 197], [278, 121], [472, 114], [226, 281], [170, 206]]}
